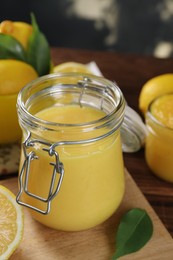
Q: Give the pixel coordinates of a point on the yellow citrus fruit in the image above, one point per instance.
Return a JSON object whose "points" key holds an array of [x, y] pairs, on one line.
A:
{"points": [[72, 67], [21, 31], [14, 75], [153, 88], [11, 223]]}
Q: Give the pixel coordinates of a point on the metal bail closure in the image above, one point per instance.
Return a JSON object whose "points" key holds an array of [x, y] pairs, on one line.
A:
{"points": [[133, 131], [25, 171]]}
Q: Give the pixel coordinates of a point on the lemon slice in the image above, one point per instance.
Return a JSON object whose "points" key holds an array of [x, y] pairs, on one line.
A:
{"points": [[72, 67], [153, 88], [11, 223]]}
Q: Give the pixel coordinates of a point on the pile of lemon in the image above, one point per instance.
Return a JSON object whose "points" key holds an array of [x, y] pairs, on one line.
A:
{"points": [[17, 68], [14, 74]]}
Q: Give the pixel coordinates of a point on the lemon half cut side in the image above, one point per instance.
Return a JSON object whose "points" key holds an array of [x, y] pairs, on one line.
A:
{"points": [[11, 223]]}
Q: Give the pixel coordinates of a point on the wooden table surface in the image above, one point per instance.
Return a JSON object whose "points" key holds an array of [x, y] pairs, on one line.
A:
{"points": [[131, 72]]}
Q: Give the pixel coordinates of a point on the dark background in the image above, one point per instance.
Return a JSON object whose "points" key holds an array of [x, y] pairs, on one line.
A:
{"points": [[139, 29]]}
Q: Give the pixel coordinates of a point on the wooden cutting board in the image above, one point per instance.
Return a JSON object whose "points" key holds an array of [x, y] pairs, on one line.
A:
{"points": [[40, 242]]}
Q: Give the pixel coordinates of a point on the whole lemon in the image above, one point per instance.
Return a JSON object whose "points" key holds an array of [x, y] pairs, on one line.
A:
{"points": [[14, 75], [153, 88]]}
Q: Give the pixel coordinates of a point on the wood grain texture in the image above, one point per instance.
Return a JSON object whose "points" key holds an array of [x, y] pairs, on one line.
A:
{"points": [[40, 242]]}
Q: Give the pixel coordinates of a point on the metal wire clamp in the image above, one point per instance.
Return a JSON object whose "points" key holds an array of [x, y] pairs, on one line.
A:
{"points": [[25, 171]]}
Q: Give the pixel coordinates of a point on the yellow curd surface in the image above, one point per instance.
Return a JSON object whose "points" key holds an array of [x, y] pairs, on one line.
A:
{"points": [[159, 142], [93, 184], [162, 110]]}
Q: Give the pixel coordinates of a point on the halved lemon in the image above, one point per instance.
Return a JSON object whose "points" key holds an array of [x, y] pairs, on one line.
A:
{"points": [[11, 223], [72, 67], [153, 88]]}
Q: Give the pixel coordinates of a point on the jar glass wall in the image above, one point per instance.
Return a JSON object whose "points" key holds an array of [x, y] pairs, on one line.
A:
{"points": [[75, 170]]}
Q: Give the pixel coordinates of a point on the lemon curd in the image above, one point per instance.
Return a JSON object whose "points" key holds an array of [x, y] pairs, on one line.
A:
{"points": [[93, 184], [159, 142]]}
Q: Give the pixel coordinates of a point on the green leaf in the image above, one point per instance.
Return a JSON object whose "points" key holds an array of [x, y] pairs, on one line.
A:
{"points": [[134, 231], [38, 50], [10, 48]]}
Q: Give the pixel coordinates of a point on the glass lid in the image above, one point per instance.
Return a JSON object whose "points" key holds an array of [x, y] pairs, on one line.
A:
{"points": [[133, 131]]}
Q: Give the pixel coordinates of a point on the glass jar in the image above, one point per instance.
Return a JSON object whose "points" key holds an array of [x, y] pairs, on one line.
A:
{"points": [[71, 174], [159, 142]]}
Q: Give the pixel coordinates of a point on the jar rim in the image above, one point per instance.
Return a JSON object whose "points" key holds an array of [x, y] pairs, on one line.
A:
{"points": [[119, 109]]}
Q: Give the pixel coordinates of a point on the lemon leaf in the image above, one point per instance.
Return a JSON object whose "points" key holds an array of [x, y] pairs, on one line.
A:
{"points": [[134, 231], [10, 48], [38, 50]]}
